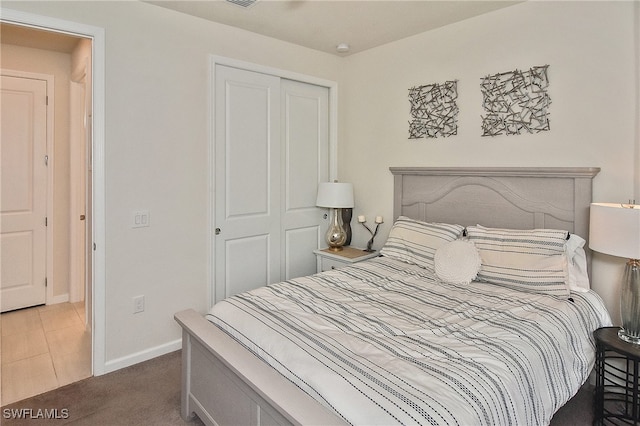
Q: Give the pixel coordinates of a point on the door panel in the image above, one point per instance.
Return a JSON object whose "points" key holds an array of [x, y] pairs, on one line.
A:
{"points": [[17, 249], [251, 273], [23, 191], [300, 244], [305, 111], [247, 148], [247, 157]]}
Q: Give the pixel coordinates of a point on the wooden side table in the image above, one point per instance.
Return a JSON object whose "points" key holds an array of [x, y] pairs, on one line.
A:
{"points": [[327, 259], [617, 396]]}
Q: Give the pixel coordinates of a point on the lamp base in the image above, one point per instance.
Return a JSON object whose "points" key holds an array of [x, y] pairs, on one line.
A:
{"points": [[630, 303], [622, 334], [335, 235]]}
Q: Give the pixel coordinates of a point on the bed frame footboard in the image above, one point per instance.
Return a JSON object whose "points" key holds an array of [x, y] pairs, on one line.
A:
{"points": [[223, 383]]}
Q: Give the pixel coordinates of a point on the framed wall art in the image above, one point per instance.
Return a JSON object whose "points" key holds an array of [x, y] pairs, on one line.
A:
{"points": [[516, 102], [434, 110]]}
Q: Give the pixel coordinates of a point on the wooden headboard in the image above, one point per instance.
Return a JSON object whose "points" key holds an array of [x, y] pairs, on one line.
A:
{"points": [[514, 197]]}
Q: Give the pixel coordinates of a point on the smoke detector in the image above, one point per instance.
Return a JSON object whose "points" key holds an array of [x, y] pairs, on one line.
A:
{"points": [[343, 47], [243, 3]]}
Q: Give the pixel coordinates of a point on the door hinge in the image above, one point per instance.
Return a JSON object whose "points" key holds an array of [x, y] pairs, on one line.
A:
{"points": [[46, 221], [94, 246], [46, 100], [46, 160], [45, 281]]}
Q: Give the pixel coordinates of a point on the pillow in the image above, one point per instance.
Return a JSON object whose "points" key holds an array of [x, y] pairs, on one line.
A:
{"points": [[577, 264], [416, 242], [530, 260], [457, 262]]}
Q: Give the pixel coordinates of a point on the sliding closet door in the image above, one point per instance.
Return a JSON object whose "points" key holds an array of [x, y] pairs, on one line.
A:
{"points": [[305, 159], [247, 168], [271, 150]]}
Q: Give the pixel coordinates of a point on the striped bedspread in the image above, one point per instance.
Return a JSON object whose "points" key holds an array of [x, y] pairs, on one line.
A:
{"points": [[384, 342]]}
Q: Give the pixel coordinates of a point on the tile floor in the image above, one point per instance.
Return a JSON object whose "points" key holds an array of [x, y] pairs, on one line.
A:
{"points": [[42, 348]]}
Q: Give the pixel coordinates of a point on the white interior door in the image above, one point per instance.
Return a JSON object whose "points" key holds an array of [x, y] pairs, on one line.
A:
{"points": [[88, 284], [23, 192], [78, 178], [247, 157], [305, 159]]}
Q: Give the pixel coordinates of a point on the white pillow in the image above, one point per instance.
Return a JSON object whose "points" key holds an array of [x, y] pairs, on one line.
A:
{"points": [[457, 262], [577, 264]]}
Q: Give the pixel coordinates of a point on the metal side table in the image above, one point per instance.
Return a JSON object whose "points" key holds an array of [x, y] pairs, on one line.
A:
{"points": [[617, 395]]}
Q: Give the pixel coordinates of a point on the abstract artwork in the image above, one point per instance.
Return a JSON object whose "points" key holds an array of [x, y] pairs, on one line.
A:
{"points": [[516, 102], [434, 110]]}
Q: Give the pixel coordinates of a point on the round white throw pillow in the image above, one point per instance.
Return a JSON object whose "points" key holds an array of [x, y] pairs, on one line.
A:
{"points": [[457, 262]]}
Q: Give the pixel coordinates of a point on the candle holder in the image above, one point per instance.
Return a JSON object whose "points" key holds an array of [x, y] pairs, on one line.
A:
{"points": [[379, 221]]}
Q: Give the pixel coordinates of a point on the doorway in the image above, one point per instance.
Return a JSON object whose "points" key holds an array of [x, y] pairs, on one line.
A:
{"points": [[57, 334]]}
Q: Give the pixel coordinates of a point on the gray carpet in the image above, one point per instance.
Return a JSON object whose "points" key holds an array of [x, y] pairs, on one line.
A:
{"points": [[143, 394], [149, 394]]}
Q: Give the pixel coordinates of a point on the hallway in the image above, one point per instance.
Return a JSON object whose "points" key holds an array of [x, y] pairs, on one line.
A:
{"points": [[43, 348]]}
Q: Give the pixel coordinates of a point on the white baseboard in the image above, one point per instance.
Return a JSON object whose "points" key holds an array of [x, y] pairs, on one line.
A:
{"points": [[61, 298], [147, 354]]}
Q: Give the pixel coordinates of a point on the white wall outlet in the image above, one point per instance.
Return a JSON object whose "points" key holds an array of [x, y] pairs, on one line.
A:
{"points": [[140, 219], [138, 304]]}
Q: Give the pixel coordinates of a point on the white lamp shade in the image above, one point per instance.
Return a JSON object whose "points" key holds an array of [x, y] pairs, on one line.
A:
{"points": [[335, 194], [615, 229]]}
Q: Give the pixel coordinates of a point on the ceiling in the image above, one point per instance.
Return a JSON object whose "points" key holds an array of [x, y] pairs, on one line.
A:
{"points": [[323, 24], [316, 24]]}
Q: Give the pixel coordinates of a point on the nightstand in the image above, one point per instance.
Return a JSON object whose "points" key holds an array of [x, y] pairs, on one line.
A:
{"points": [[327, 259], [617, 396]]}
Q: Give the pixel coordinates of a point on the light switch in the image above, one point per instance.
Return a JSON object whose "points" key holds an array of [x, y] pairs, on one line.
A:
{"points": [[140, 219]]}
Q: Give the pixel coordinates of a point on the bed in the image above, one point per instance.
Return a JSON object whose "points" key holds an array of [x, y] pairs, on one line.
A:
{"points": [[422, 334]]}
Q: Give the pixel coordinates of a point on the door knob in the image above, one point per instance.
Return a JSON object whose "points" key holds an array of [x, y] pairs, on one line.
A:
{"points": [[82, 217], [218, 230]]}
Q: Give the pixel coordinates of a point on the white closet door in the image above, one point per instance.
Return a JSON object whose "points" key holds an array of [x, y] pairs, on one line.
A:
{"points": [[305, 159], [271, 150], [247, 170]]}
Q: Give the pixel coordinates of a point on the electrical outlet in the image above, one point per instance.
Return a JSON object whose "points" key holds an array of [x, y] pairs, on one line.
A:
{"points": [[138, 304]]}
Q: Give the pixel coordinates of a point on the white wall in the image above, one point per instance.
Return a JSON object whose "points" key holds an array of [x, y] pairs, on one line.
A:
{"points": [[590, 49], [156, 156]]}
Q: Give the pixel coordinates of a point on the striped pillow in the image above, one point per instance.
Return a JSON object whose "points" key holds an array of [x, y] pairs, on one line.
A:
{"points": [[530, 260], [416, 242]]}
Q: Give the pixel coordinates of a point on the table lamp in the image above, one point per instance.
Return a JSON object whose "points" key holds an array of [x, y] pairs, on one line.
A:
{"points": [[614, 229], [336, 196]]}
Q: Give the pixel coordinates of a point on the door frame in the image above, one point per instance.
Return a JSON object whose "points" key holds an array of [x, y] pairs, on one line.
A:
{"points": [[285, 74], [97, 35], [49, 79]]}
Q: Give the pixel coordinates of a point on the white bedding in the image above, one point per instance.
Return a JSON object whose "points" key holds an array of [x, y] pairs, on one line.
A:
{"points": [[385, 342]]}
